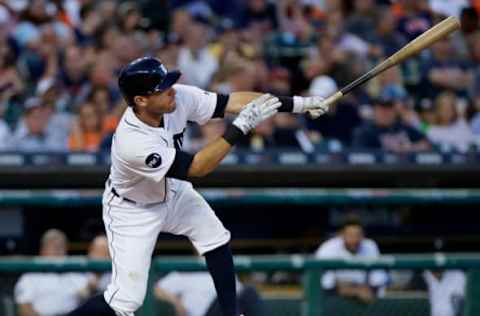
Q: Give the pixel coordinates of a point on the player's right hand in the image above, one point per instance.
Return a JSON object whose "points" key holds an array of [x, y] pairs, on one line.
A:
{"points": [[256, 111]]}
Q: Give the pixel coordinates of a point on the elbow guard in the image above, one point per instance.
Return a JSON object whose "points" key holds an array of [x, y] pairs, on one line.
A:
{"points": [[180, 166]]}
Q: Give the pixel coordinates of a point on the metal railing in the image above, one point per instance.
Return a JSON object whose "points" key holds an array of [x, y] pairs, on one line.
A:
{"points": [[310, 267]]}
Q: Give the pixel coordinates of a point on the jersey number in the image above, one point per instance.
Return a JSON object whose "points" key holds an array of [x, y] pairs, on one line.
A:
{"points": [[178, 140]]}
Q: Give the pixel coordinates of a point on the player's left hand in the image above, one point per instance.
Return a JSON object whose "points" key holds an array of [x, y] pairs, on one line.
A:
{"points": [[314, 105], [256, 111]]}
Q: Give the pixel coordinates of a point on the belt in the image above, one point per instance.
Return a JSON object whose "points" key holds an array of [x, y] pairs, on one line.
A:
{"points": [[114, 192]]}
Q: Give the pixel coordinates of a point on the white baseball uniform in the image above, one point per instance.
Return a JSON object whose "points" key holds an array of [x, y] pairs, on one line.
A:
{"points": [[139, 202], [50, 293]]}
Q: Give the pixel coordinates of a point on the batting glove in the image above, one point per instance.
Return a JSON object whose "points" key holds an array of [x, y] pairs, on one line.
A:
{"points": [[256, 111], [315, 105]]}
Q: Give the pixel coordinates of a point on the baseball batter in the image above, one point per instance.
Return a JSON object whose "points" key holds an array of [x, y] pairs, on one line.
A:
{"points": [[148, 190]]}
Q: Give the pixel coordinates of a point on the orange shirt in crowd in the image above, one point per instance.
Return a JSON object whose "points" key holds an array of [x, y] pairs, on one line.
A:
{"points": [[91, 140]]}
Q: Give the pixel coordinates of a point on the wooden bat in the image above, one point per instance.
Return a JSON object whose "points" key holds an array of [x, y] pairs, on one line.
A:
{"points": [[426, 39]]}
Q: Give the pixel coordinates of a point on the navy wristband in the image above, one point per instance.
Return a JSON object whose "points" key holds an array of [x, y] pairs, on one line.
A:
{"points": [[222, 101], [233, 134], [287, 104]]}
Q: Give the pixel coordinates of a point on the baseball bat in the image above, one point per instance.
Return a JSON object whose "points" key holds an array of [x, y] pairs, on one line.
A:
{"points": [[426, 39]]}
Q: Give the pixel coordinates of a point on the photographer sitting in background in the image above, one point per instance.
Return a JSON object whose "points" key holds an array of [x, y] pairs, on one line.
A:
{"points": [[193, 294], [97, 281], [351, 243], [446, 291], [50, 293]]}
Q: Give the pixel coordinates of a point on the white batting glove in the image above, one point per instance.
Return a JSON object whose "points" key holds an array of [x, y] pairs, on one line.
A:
{"points": [[256, 111], [315, 105]]}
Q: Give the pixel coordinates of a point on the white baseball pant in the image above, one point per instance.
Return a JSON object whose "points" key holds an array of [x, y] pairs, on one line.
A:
{"points": [[132, 231]]}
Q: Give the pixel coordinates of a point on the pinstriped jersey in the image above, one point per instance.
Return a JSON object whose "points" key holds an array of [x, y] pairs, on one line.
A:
{"points": [[141, 154]]}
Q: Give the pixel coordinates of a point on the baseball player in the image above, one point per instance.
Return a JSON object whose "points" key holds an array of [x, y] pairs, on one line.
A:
{"points": [[148, 190]]}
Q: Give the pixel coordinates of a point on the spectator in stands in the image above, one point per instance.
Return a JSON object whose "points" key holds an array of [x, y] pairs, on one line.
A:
{"points": [[179, 24], [10, 77], [475, 118], [387, 132], [130, 17], [32, 133], [289, 133], [385, 35], [260, 12], [340, 121], [445, 71], [5, 132], [345, 40], [105, 104], [193, 294], [196, 62], [73, 69], [238, 75], [227, 44], [97, 282], [415, 18], [50, 294], [363, 19], [59, 121], [352, 244], [465, 38], [87, 133], [446, 292], [451, 130], [426, 115]]}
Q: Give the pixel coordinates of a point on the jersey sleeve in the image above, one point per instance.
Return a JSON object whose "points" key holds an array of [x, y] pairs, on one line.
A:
{"points": [[152, 162], [200, 104]]}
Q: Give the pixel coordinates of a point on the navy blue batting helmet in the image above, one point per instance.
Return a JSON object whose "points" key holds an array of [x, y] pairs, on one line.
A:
{"points": [[145, 76]]}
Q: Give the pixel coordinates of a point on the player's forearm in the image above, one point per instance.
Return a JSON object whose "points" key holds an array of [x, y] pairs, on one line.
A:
{"points": [[295, 104], [207, 159], [237, 100]]}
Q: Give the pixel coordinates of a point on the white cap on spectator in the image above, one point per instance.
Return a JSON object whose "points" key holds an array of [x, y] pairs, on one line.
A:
{"points": [[32, 103], [4, 15], [323, 86], [25, 33], [44, 85], [17, 5]]}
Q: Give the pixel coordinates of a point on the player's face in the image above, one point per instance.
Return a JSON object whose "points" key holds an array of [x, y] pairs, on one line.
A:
{"points": [[162, 102]]}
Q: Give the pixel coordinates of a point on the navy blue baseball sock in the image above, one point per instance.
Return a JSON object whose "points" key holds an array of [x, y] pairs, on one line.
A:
{"points": [[220, 265], [95, 306]]}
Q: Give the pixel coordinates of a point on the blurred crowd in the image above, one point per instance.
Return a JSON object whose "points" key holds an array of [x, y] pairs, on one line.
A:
{"points": [[59, 61]]}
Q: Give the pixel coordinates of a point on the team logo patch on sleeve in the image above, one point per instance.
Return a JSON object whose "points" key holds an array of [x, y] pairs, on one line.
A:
{"points": [[153, 160]]}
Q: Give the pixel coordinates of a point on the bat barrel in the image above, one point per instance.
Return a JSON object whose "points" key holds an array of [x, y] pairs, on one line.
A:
{"points": [[426, 39]]}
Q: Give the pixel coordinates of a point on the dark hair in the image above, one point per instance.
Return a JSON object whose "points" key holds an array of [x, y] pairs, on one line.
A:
{"points": [[469, 12], [351, 220]]}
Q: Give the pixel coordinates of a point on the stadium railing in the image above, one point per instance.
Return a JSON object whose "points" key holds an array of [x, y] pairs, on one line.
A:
{"points": [[270, 196], [279, 168], [314, 303]]}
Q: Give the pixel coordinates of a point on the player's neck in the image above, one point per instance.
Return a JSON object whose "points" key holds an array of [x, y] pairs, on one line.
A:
{"points": [[151, 120]]}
